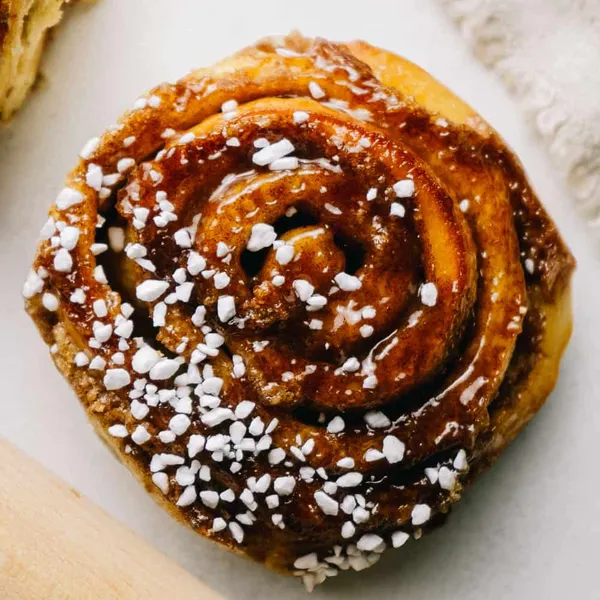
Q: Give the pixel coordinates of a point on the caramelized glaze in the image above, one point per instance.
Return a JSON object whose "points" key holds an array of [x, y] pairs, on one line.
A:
{"points": [[421, 345]]}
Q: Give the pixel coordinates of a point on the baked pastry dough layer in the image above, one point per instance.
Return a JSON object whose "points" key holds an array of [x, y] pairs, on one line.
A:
{"points": [[24, 26]]}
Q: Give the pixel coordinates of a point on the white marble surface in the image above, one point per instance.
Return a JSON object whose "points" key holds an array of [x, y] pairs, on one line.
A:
{"points": [[527, 529]]}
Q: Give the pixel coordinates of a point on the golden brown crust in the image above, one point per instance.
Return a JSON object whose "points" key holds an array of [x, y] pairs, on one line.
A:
{"points": [[24, 25], [437, 350]]}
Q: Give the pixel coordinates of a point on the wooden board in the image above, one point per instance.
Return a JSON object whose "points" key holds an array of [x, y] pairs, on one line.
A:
{"points": [[55, 543]]}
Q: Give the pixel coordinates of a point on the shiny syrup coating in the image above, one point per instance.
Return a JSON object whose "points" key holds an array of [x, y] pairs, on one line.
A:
{"points": [[418, 356]]}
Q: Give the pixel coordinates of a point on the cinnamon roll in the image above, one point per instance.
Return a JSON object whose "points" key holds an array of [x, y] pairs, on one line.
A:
{"points": [[306, 295]]}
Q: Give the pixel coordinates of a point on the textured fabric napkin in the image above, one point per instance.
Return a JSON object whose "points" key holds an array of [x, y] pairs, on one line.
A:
{"points": [[548, 54]]}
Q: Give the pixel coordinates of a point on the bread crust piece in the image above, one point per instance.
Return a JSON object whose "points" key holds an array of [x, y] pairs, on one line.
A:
{"points": [[426, 122], [24, 25]]}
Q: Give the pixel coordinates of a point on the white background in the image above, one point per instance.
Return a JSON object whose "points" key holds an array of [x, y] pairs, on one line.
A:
{"points": [[529, 528]]}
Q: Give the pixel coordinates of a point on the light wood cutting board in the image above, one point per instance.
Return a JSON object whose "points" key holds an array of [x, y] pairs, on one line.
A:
{"points": [[55, 543]]}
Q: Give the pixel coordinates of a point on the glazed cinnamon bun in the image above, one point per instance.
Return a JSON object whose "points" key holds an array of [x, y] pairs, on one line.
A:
{"points": [[306, 295]]}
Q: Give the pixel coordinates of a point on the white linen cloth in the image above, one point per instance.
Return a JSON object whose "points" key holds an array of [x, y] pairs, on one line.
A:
{"points": [[548, 54]]}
